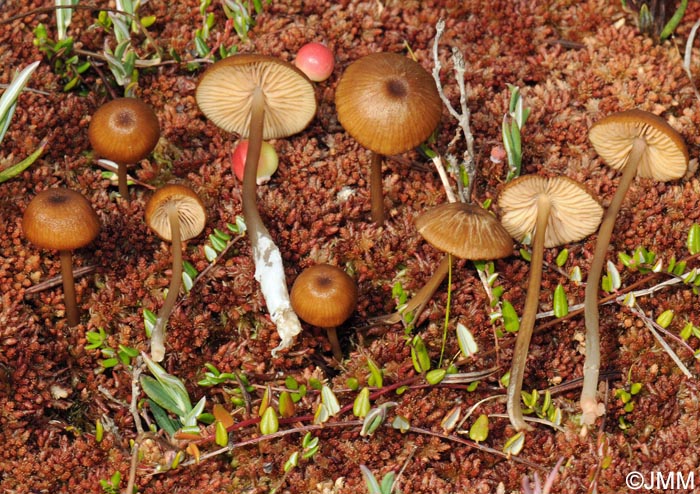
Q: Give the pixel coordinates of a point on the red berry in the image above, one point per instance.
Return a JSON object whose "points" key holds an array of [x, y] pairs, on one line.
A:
{"points": [[266, 166], [316, 61]]}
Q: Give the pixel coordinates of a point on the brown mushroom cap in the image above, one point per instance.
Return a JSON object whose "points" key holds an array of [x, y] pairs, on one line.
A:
{"points": [[125, 130], [60, 219], [224, 95], [466, 231], [190, 210], [388, 103], [324, 296], [665, 157], [574, 212]]}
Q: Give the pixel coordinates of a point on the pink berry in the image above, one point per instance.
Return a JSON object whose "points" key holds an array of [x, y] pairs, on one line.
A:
{"points": [[316, 61], [266, 166]]}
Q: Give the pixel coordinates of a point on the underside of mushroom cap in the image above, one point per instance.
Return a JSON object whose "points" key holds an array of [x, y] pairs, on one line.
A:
{"points": [[466, 231], [665, 157], [190, 211], [574, 211], [224, 94]]}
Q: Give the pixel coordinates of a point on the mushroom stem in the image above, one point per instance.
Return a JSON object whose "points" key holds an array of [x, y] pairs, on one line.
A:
{"points": [[418, 302], [269, 270], [375, 188], [122, 181], [72, 314], [591, 366], [158, 333], [335, 344], [527, 322]]}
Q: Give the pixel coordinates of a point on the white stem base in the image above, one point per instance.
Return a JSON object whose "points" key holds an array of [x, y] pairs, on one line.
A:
{"points": [[269, 272]]}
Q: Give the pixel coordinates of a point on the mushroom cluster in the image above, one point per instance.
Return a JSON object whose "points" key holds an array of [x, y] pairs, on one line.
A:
{"points": [[640, 144], [260, 97], [554, 211]]}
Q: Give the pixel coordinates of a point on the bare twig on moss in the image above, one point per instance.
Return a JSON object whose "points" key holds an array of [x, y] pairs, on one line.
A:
{"points": [[459, 67]]}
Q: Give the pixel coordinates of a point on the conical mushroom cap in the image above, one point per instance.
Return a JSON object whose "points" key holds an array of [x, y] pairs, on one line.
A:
{"points": [[574, 212], [466, 231], [225, 94], [60, 219], [665, 157], [124, 130], [388, 103], [190, 211], [324, 295]]}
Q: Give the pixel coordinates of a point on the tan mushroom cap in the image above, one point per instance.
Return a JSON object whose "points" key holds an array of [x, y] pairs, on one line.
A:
{"points": [[574, 212], [190, 210], [124, 130], [324, 295], [665, 157], [388, 103], [60, 219], [224, 94], [466, 231]]}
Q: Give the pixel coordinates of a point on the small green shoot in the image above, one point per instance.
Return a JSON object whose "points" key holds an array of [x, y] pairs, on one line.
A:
{"points": [[373, 486], [111, 485], [513, 123]]}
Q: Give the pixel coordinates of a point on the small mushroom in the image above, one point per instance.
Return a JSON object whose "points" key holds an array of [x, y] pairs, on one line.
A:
{"points": [[556, 211], [124, 130], [389, 104], [176, 214], [462, 230], [324, 296], [640, 143], [62, 219], [260, 97]]}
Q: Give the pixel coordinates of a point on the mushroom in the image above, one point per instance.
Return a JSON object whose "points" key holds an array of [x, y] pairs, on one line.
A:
{"points": [[260, 97], [324, 296], [176, 214], [124, 130], [389, 104], [556, 211], [62, 219], [640, 143], [463, 230]]}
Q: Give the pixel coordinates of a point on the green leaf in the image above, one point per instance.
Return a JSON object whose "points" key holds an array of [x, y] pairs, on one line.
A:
{"points": [[171, 386], [220, 434], [375, 374], [435, 376], [269, 423], [361, 405], [614, 275], [665, 318], [511, 323], [209, 253], [466, 341], [156, 392], [8, 100], [514, 444], [14, 170], [329, 399], [370, 480], [479, 430], [672, 24], [562, 257], [419, 355], [560, 303], [693, 242]]}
